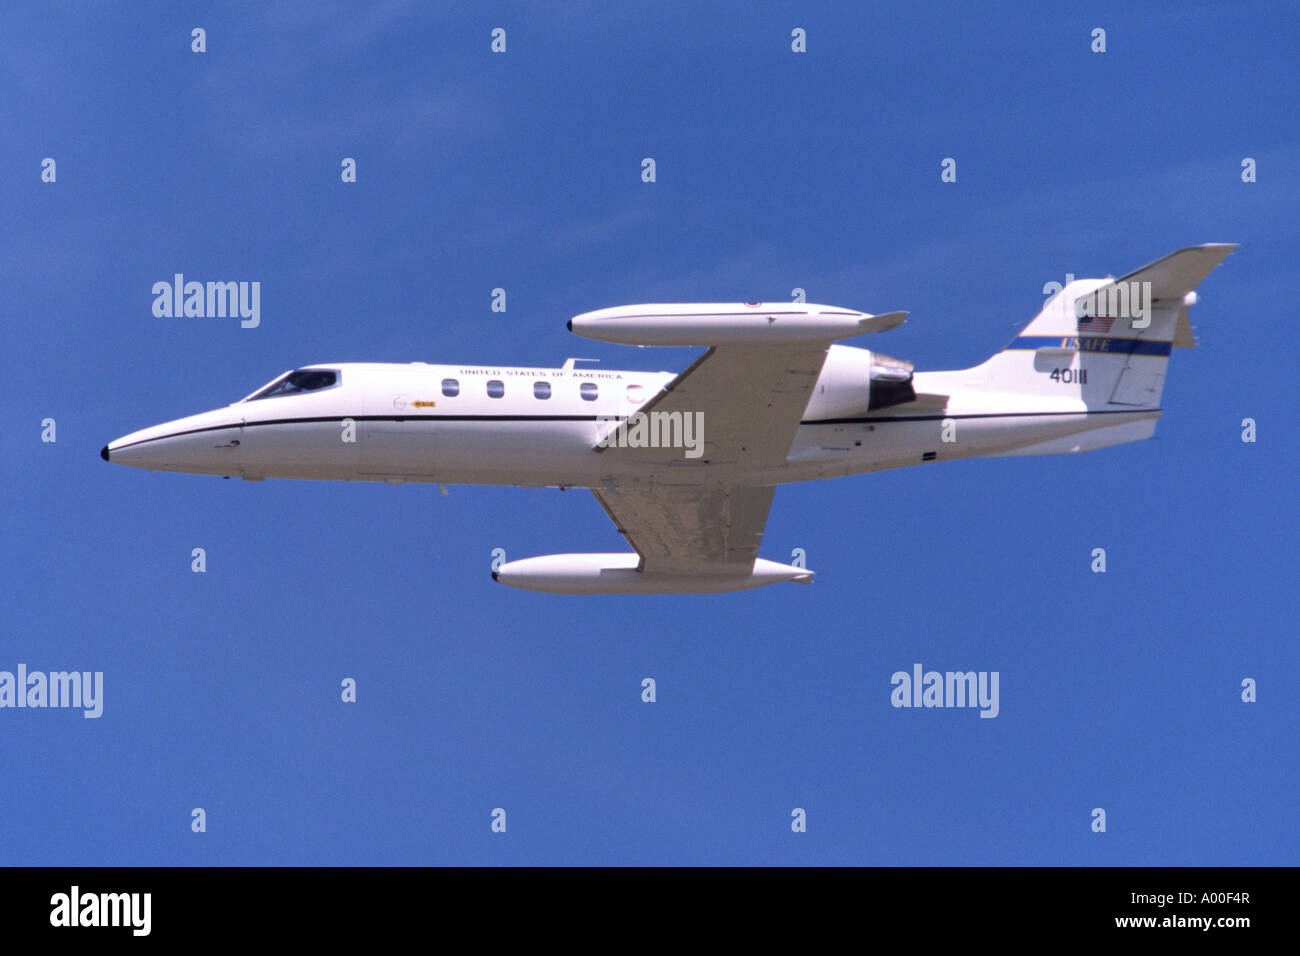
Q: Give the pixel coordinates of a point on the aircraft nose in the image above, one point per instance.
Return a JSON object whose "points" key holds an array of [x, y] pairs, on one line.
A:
{"points": [[203, 444]]}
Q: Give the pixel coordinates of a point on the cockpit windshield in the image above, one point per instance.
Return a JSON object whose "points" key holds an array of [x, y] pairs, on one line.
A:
{"points": [[295, 383]]}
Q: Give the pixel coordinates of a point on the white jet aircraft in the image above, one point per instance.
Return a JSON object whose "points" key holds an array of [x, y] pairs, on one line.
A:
{"points": [[686, 464]]}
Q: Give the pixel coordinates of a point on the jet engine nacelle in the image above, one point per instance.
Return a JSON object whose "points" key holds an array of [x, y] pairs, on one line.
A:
{"points": [[856, 381]]}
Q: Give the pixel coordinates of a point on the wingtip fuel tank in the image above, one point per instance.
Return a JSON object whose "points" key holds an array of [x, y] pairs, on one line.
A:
{"points": [[619, 574], [721, 323]]}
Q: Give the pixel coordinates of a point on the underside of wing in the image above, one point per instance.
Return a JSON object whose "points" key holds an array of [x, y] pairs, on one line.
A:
{"points": [[691, 529]]}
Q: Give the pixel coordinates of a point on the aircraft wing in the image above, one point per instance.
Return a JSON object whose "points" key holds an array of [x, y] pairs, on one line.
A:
{"points": [[748, 392], [690, 529], [745, 398], [746, 401]]}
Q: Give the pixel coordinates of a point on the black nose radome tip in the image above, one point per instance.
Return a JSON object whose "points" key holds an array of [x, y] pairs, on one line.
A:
{"points": [[495, 577], [569, 325], [103, 453]]}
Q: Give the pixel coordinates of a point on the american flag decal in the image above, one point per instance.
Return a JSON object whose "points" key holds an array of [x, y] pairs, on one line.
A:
{"points": [[1096, 323]]}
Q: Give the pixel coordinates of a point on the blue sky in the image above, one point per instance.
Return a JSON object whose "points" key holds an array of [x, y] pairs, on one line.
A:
{"points": [[775, 170]]}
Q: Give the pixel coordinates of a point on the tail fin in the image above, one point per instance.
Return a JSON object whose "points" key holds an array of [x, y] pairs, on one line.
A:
{"points": [[1107, 341]]}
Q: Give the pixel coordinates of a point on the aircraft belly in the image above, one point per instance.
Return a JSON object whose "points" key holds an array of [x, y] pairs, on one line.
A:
{"points": [[849, 448], [296, 450], [398, 447], [479, 452]]}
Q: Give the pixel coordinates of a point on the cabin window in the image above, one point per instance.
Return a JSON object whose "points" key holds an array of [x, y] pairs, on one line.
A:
{"points": [[541, 389], [496, 388], [589, 391], [450, 387], [635, 394]]}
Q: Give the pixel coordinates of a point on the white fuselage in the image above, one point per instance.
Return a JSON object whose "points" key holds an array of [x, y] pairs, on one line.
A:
{"points": [[685, 464], [396, 423]]}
